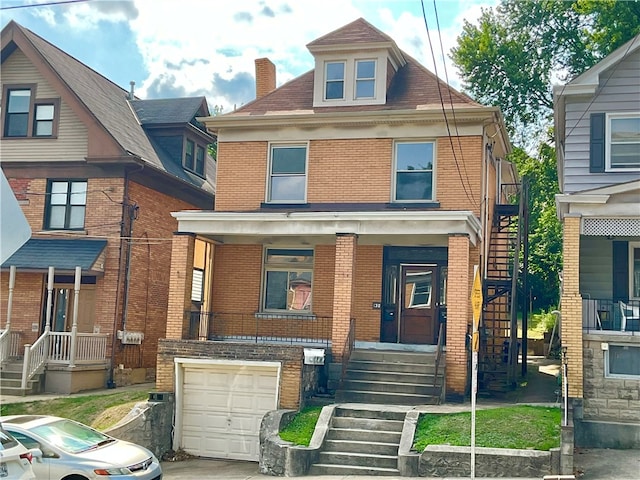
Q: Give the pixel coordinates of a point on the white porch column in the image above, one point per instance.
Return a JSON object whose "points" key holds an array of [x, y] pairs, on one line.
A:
{"points": [[12, 281], [47, 325], [74, 327]]}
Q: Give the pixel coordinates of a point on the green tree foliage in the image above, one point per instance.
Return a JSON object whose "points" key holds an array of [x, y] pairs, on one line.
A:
{"points": [[512, 59]]}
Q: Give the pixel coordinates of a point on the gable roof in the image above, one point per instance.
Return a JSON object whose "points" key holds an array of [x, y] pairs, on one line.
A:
{"points": [[102, 99], [354, 33], [169, 110]]}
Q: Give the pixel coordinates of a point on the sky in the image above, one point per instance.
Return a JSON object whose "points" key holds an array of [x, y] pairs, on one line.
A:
{"points": [[181, 48]]}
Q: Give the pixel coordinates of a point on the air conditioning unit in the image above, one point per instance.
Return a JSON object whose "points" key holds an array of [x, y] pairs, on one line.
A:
{"points": [[130, 338]]}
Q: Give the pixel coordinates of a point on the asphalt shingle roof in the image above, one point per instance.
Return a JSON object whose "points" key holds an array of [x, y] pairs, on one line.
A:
{"points": [[61, 253], [169, 110]]}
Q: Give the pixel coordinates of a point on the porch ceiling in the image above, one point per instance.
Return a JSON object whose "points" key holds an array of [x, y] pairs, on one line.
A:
{"points": [[375, 228]]}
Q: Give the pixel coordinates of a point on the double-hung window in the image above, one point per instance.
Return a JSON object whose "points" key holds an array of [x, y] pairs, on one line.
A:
{"points": [[199, 160], [288, 277], [414, 171], [18, 106], [365, 78], [43, 121], [334, 83], [288, 174], [623, 138], [66, 202], [188, 155]]}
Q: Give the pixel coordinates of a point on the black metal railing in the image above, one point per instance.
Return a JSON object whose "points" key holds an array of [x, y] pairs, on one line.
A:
{"points": [[611, 315], [348, 348], [262, 328]]}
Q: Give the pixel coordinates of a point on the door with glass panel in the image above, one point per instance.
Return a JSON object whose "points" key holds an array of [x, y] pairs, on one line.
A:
{"points": [[418, 304]]}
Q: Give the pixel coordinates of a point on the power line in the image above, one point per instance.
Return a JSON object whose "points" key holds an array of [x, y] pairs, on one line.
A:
{"points": [[47, 4], [444, 112]]}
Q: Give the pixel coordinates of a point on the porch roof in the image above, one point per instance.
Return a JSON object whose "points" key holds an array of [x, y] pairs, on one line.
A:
{"points": [[64, 254], [379, 227]]}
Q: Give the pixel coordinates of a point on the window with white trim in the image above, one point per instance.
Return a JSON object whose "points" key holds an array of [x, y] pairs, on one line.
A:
{"points": [[365, 79], [623, 141], [622, 361], [287, 280], [413, 165], [287, 174], [634, 270], [334, 80]]}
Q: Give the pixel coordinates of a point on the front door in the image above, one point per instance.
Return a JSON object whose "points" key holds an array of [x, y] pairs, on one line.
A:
{"points": [[418, 304]]}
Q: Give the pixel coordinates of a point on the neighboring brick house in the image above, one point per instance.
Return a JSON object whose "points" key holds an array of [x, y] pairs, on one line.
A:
{"points": [[597, 117], [352, 205], [97, 173]]}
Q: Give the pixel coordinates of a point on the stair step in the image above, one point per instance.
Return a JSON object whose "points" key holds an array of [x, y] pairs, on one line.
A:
{"points": [[390, 387], [371, 424], [373, 366], [359, 459], [382, 376], [369, 413], [353, 434], [392, 356], [323, 469], [352, 396], [361, 446]]}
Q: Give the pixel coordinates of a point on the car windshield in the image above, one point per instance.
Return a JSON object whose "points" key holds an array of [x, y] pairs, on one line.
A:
{"points": [[70, 436]]}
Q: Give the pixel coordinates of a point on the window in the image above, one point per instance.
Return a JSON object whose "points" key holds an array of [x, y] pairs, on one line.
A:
{"points": [[334, 88], [622, 361], [16, 123], [288, 275], [188, 155], [43, 123], [414, 171], [634, 269], [623, 137], [199, 160], [365, 78], [66, 204], [287, 181]]}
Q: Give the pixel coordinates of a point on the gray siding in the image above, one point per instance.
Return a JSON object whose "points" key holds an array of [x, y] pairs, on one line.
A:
{"points": [[71, 144], [619, 92]]}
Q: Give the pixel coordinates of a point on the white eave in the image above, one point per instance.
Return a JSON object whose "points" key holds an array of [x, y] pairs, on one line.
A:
{"points": [[387, 224]]}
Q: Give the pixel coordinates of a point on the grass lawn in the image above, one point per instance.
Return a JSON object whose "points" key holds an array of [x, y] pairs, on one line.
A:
{"points": [[522, 427], [99, 411]]}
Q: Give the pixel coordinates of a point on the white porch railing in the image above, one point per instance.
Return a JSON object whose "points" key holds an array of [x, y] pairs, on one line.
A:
{"points": [[57, 348], [4, 345]]}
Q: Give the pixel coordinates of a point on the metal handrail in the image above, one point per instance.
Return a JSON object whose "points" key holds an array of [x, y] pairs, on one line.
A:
{"points": [[348, 348], [438, 354]]}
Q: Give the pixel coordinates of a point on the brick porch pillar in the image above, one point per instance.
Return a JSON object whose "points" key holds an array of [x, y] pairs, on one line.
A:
{"points": [[182, 249], [343, 284], [458, 315], [571, 304]]}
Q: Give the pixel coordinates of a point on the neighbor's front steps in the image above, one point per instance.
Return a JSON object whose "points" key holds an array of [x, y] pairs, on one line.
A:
{"points": [[361, 441]]}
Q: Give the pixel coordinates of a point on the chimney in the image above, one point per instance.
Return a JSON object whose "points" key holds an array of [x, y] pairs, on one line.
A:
{"points": [[265, 77], [131, 94]]}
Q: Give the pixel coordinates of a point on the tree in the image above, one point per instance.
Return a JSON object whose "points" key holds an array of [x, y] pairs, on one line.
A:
{"points": [[511, 59]]}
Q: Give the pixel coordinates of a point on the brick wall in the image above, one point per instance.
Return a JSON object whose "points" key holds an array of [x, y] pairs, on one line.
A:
{"points": [[291, 358], [343, 291], [367, 290], [180, 284], [241, 175], [571, 302]]}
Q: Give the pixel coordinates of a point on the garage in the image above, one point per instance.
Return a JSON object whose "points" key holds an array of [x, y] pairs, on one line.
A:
{"points": [[220, 405]]}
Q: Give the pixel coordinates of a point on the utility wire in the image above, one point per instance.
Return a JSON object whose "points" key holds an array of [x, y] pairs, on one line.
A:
{"points": [[444, 112], [47, 4]]}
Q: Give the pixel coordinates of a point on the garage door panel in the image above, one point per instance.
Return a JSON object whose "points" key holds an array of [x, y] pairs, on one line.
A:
{"points": [[223, 406]]}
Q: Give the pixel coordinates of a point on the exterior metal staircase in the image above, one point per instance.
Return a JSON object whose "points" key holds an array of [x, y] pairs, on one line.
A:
{"points": [[361, 441], [500, 345], [392, 378]]}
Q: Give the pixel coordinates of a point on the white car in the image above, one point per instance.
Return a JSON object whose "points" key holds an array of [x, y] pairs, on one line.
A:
{"points": [[15, 459], [64, 448]]}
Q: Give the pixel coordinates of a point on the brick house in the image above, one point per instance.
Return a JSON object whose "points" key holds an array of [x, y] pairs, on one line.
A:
{"points": [[352, 204], [597, 118], [96, 172]]}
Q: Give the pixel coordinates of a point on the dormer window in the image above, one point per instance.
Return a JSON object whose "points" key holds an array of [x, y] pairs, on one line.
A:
{"points": [[365, 78], [334, 88], [194, 158]]}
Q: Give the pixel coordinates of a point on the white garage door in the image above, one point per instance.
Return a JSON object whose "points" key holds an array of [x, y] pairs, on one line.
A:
{"points": [[222, 407]]}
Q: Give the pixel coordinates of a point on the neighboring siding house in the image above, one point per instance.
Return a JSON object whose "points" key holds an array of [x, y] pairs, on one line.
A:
{"points": [[350, 213], [597, 119], [97, 173]]}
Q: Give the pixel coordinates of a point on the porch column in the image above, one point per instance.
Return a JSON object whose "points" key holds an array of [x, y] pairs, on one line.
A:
{"points": [[343, 291], [458, 315], [571, 304], [182, 249]]}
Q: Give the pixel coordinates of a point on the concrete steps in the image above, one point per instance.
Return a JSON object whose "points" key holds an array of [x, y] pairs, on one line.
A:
{"points": [[361, 441], [392, 377], [11, 380]]}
